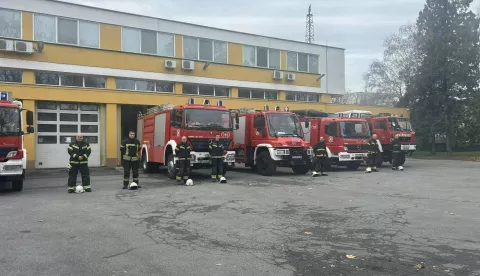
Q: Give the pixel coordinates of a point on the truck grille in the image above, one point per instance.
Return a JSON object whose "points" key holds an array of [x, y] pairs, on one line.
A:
{"points": [[5, 151], [297, 151], [201, 144], [404, 139], [361, 147]]}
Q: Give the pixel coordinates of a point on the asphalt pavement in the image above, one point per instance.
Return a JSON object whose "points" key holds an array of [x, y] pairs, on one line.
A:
{"points": [[422, 221]]}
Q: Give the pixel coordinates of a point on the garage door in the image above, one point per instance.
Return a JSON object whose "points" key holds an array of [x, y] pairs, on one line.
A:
{"points": [[57, 126]]}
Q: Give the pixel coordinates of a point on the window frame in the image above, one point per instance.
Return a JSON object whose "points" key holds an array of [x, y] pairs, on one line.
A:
{"points": [[21, 23], [214, 90], [78, 30], [268, 57], [12, 69], [308, 62], [296, 97], [147, 91], [198, 49], [264, 94], [140, 42]]}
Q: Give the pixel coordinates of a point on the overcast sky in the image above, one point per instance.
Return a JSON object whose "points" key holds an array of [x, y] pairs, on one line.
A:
{"points": [[359, 26]]}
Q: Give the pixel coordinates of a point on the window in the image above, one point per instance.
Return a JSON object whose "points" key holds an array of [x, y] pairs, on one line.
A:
{"points": [[47, 105], [149, 42], [257, 94], [204, 49], [302, 97], [43, 116], [130, 40], [46, 128], [89, 128], [67, 31], [331, 129], [144, 85], [95, 82], [71, 80], [47, 78], [50, 28], [45, 28], [261, 57], [68, 117], [89, 107], [380, 124], [89, 34], [91, 139], [177, 117], [165, 44], [206, 90], [89, 118], [10, 23], [10, 75], [302, 62], [69, 128], [46, 139], [68, 106]]}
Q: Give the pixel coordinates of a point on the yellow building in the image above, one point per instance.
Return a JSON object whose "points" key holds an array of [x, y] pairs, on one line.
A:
{"points": [[95, 69]]}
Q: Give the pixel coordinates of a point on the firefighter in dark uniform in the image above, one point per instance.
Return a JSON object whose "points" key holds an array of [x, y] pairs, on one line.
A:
{"points": [[320, 156], [79, 152], [182, 152], [396, 154], [130, 161], [217, 152], [373, 150]]}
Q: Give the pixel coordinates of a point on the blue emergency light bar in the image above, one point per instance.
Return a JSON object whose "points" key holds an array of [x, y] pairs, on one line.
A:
{"points": [[5, 96]]}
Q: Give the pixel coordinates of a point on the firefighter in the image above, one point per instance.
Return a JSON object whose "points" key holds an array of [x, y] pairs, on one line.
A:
{"points": [[373, 150], [182, 152], [320, 156], [396, 154], [217, 152], [79, 152], [129, 150]]}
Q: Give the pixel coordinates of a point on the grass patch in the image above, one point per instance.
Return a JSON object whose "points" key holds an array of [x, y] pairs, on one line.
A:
{"points": [[466, 155]]}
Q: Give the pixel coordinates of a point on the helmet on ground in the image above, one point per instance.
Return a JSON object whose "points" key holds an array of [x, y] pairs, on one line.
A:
{"points": [[79, 189], [133, 186], [223, 180], [189, 182]]}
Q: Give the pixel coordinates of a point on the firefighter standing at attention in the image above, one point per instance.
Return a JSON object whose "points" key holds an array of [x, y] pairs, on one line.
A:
{"points": [[396, 154], [130, 161], [373, 150], [182, 152], [217, 152], [79, 152], [321, 156]]}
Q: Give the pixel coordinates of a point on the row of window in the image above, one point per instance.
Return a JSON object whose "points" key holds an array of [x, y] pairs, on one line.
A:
{"points": [[144, 85], [302, 97], [55, 29], [49, 78], [66, 117], [51, 139], [67, 128], [257, 94]]}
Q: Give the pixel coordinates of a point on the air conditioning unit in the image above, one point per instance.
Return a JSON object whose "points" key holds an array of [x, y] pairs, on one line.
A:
{"points": [[188, 65], [6, 45], [277, 75], [24, 47], [170, 64], [290, 77]]}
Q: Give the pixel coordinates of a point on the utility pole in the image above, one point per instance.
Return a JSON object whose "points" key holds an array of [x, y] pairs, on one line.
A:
{"points": [[310, 29]]}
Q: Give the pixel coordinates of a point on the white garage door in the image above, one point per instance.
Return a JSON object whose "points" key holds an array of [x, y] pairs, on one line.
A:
{"points": [[57, 126]]}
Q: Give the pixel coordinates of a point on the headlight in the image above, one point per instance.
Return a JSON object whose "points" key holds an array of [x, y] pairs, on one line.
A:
{"points": [[309, 151], [12, 153], [193, 157], [282, 152], [345, 148]]}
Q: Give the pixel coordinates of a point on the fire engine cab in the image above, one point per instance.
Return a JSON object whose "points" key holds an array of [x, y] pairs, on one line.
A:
{"points": [[386, 126], [13, 155], [345, 138], [162, 128], [268, 139]]}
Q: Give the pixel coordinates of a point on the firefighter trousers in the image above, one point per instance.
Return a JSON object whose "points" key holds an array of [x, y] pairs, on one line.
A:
{"points": [[183, 172], [320, 165], [217, 168], [84, 172], [371, 161], [396, 159], [127, 166]]}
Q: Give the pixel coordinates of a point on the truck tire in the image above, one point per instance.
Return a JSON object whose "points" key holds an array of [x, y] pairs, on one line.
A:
{"points": [[265, 165], [353, 166], [300, 169], [172, 170], [148, 167], [17, 185]]}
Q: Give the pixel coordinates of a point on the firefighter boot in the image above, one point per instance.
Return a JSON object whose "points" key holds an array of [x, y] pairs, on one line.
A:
{"points": [[368, 170], [400, 168], [315, 174], [374, 169], [71, 189], [88, 188], [394, 169]]}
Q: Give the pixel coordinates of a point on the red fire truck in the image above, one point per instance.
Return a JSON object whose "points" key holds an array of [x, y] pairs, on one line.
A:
{"points": [[13, 156], [345, 138], [386, 127], [162, 128], [269, 139]]}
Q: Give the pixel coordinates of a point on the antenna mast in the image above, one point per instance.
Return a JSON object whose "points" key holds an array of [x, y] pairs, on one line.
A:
{"points": [[310, 30]]}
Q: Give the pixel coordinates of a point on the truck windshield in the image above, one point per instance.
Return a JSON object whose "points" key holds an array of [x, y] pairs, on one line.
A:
{"points": [[207, 119], [284, 124], [9, 121], [400, 124], [354, 129]]}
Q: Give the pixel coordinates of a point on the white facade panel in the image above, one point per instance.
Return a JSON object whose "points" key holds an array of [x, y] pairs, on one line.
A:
{"points": [[239, 134], [159, 135]]}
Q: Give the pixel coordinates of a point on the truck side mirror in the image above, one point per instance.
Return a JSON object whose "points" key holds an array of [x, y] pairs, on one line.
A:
{"points": [[237, 126], [30, 129], [237, 119], [29, 118], [307, 124]]}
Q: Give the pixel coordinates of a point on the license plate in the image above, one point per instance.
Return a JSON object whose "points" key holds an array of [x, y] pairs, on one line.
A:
{"points": [[12, 168], [296, 157]]}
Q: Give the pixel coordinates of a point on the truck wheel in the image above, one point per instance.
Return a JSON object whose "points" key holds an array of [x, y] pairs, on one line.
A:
{"points": [[300, 169], [353, 166], [265, 165], [148, 167], [172, 170], [17, 185]]}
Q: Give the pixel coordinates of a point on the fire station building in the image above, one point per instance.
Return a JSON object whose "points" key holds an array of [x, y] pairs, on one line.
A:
{"points": [[89, 70]]}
